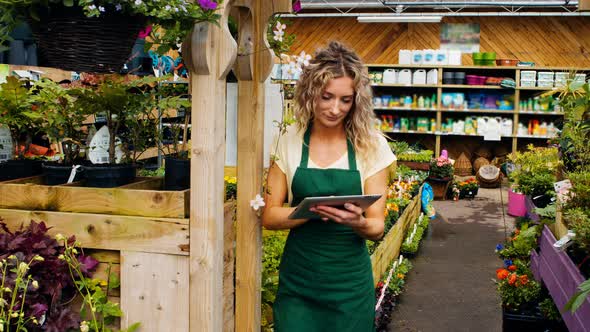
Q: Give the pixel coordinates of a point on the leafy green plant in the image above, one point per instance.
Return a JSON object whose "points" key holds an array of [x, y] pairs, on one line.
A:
{"points": [[60, 118], [535, 170], [156, 172], [549, 309], [273, 244], [423, 156], [280, 41], [516, 286], [18, 113], [441, 168], [579, 297], [523, 241], [412, 241], [399, 147], [578, 220]]}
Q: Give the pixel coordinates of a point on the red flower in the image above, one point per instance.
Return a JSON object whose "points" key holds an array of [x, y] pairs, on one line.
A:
{"points": [[517, 231], [524, 279], [512, 268], [512, 279], [502, 273]]}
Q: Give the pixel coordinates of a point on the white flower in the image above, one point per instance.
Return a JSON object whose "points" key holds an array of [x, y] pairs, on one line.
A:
{"points": [[118, 7], [92, 7], [23, 268], [280, 26], [84, 326], [35, 284], [278, 35], [167, 7], [101, 9], [257, 202], [303, 59], [138, 2]]}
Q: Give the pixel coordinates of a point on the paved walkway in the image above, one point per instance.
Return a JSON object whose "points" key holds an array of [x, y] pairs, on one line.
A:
{"points": [[450, 287]]}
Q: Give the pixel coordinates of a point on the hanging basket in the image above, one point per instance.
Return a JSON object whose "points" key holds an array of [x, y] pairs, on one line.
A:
{"points": [[68, 40], [463, 166]]}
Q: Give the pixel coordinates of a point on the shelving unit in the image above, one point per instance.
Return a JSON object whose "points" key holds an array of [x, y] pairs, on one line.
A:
{"points": [[518, 93]]}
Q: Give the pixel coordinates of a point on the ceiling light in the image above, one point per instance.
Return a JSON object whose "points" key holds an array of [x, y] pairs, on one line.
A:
{"points": [[399, 19]]}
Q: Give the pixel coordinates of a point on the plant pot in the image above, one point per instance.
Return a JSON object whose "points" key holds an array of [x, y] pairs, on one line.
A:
{"points": [[541, 201], [69, 40], [55, 174], [468, 193], [20, 168], [530, 209], [178, 174], [516, 204], [561, 277], [528, 321], [109, 176], [439, 186]]}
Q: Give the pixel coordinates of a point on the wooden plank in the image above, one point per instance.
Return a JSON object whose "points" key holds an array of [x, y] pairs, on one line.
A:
{"points": [[145, 183], [229, 261], [210, 52], [101, 231], [153, 291], [38, 179], [118, 201], [389, 248], [53, 74]]}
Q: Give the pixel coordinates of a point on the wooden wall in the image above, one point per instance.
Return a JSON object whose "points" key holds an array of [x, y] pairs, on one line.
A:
{"points": [[547, 41]]}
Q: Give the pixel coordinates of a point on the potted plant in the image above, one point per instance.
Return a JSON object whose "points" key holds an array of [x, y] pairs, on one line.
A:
{"points": [[129, 108], [62, 121], [112, 26], [18, 114], [440, 175], [174, 136], [468, 188]]}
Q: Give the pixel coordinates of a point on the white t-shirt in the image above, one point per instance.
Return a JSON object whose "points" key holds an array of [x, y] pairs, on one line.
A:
{"points": [[288, 157]]}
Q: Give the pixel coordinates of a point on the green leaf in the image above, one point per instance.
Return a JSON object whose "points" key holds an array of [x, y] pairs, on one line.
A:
{"points": [[68, 3], [133, 327], [578, 299]]}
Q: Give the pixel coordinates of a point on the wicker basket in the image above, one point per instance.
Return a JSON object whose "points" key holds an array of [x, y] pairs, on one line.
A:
{"points": [[489, 176], [500, 151], [484, 152], [69, 40], [479, 162], [463, 166]]}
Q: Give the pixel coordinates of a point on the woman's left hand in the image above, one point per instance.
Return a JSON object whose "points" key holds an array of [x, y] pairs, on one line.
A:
{"points": [[351, 215]]}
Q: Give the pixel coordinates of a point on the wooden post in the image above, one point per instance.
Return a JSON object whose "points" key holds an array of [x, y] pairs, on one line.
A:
{"points": [[255, 61], [211, 52], [584, 5]]}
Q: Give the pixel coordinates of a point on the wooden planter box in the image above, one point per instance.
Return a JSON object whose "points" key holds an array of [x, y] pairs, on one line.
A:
{"points": [[561, 277], [415, 165], [139, 229], [389, 248]]}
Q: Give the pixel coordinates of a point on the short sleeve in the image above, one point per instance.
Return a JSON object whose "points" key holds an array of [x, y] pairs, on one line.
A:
{"points": [[384, 159]]}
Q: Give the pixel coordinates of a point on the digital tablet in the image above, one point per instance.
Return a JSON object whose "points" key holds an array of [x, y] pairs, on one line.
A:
{"points": [[302, 210]]}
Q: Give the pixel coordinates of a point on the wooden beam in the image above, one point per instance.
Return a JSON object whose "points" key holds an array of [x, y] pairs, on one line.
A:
{"points": [[211, 52], [102, 231], [584, 5]]}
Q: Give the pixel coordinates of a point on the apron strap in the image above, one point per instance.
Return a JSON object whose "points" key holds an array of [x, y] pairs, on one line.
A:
{"points": [[305, 151]]}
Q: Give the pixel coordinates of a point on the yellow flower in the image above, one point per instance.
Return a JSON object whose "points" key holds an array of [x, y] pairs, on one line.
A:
{"points": [[62, 257], [35, 284], [59, 237], [38, 258], [14, 314], [84, 326], [103, 283], [23, 268]]}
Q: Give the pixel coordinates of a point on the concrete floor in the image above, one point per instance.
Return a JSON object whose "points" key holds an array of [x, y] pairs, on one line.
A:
{"points": [[451, 287]]}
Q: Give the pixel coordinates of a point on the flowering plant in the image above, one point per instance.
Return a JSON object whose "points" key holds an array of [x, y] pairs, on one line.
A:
{"points": [[516, 285], [468, 185], [172, 20], [441, 168]]}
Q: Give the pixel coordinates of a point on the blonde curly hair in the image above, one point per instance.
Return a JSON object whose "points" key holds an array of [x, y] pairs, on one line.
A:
{"points": [[334, 61]]}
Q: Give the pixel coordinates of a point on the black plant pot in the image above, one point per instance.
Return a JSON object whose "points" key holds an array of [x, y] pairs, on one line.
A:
{"points": [[541, 201], [178, 174], [56, 174], [21, 168], [109, 176], [530, 321]]}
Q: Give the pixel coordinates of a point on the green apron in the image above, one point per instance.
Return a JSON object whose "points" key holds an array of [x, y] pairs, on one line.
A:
{"points": [[325, 276]]}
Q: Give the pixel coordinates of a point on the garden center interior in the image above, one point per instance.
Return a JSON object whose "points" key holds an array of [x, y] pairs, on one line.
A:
{"points": [[136, 138]]}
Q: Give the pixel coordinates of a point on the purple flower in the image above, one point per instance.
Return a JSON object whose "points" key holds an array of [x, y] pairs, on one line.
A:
{"points": [[507, 262], [499, 247], [296, 6], [87, 263], [38, 309], [208, 4]]}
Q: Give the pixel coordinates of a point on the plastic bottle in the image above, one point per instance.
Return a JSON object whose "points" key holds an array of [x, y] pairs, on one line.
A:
{"points": [[414, 101], [433, 100], [543, 129], [421, 102], [432, 125]]}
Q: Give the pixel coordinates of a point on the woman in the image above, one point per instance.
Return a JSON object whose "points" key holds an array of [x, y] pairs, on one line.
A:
{"points": [[325, 277]]}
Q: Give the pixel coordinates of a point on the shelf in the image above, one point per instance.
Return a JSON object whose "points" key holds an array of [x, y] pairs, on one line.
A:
{"points": [[175, 82], [406, 85], [536, 88], [476, 67], [466, 135], [465, 86], [406, 109], [478, 111], [540, 113], [538, 137], [408, 132]]}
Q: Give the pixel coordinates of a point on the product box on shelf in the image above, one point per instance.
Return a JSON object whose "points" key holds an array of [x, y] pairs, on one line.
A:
{"points": [[528, 83], [405, 57], [529, 75], [544, 76], [545, 83]]}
